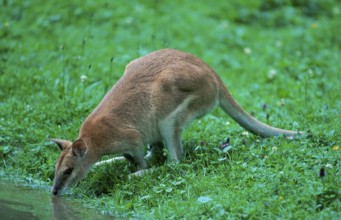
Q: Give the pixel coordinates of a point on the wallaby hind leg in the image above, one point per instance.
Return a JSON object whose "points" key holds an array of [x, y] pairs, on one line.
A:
{"points": [[172, 138], [191, 107]]}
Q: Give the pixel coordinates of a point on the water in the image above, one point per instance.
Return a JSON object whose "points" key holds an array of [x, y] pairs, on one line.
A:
{"points": [[18, 202]]}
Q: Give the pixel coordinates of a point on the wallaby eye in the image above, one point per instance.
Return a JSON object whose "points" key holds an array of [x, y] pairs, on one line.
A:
{"points": [[68, 171]]}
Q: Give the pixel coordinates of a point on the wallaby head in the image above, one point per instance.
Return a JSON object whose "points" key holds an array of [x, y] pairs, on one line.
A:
{"points": [[71, 166]]}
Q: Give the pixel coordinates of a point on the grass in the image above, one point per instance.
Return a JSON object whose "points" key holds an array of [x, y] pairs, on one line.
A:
{"points": [[280, 60]]}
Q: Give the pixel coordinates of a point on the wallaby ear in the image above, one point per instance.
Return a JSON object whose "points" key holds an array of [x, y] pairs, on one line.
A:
{"points": [[62, 144], [79, 148]]}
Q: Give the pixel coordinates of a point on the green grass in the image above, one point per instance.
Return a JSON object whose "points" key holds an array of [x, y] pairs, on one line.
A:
{"points": [[280, 60]]}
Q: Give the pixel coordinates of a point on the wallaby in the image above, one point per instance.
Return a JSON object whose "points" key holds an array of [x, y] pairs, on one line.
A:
{"points": [[158, 95]]}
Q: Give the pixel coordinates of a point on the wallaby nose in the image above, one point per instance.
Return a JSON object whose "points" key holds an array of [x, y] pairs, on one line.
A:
{"points": [[54, 192]]}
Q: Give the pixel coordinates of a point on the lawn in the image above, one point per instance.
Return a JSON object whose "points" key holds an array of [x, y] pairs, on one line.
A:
{"points": [[280, 60]]}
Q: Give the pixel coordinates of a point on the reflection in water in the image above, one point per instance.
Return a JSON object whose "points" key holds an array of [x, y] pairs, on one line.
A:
{"points": [[7, 212], [21, 203], [61, 211]]}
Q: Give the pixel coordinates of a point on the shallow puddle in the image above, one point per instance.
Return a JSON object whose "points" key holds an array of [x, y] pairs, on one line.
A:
{"points": [[18, 202]]}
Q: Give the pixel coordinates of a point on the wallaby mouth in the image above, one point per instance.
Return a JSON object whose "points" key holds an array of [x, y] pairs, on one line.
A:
{"points": [[56, 190]]}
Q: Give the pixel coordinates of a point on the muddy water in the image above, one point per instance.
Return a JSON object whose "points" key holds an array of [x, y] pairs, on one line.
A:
{"points": [[17, 202]]}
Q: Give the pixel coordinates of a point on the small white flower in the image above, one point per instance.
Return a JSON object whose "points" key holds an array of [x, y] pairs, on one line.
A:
{"points": [[84, 78], [274, 149], [281, 102], [278, 44], [328, 165], [245, 133], [272, 73], [310, 72], [224, 25], [336, 10], [247, 50]]}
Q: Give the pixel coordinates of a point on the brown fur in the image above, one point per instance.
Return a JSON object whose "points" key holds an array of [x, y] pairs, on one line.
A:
{"points": [[158, 95]]}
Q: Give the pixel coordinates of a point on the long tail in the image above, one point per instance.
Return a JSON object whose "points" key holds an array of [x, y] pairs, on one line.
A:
{"points": [[232, 108]]}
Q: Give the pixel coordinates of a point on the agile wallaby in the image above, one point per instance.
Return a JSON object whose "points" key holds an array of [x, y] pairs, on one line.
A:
{"points": [[158, 95]]}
